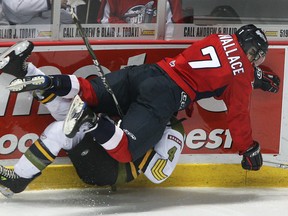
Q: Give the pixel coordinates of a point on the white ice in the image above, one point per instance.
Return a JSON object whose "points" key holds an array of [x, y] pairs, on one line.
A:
{"points": [[151, 201]]}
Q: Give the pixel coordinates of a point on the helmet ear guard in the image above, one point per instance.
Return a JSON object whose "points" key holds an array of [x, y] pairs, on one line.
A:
{"points": [[254, 43]]}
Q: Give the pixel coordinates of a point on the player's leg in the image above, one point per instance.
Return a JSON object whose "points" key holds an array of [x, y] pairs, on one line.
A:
{"points": [[13, 61], [81, 118], [164, 157], [58, 106], [38, 156], [144, 121], [80, 113], [140, 130]]}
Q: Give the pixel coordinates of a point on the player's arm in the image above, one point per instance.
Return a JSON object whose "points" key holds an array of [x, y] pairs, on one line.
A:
{"points": [[164, 157], [237, 100], [22, 11], [159, 163], [106, 13], [174, 11]]}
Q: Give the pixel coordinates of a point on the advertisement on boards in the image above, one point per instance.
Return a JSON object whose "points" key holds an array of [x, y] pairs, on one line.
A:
{"points": [[23, 119]]}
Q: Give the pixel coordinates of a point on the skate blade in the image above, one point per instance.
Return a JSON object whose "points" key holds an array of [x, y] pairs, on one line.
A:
{"points": [[4, 61], [17, 48], [73, 114], [6, 191], [18, 85]]}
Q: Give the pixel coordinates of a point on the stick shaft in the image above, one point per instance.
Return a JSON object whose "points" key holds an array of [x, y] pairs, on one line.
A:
{"points": [[276, 164], [95, 61]]}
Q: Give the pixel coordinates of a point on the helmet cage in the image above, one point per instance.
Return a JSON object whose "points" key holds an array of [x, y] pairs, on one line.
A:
{"points": [[256, 56], [259, 58]]}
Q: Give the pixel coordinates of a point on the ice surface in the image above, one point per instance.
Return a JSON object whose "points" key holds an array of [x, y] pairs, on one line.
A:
{"points": [[151, 201]]}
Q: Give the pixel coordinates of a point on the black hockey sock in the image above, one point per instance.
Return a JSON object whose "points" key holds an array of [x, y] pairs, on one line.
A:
{"points": [[104, 131], [112, 139], [61, 85]]}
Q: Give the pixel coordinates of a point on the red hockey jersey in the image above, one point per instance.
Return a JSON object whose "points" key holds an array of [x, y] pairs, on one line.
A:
{"points": [[136, 11], [217, 66]]}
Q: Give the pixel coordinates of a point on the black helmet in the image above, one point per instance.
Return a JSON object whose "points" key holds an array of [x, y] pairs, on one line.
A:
{"points": [[253, 41]]}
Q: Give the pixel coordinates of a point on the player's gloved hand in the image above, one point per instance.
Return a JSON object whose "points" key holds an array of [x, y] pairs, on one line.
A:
{"points": [[252, 158], [266, 80]]}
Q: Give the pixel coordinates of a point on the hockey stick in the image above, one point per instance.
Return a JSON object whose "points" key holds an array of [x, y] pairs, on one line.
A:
{"points": [[276, 164], [95, 61]]}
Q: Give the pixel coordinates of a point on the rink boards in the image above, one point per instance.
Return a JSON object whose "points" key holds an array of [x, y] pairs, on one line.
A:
{"points": [[208, 158]]}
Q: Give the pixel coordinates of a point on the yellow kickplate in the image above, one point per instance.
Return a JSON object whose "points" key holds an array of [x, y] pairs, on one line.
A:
{"points": [[185, 175]]}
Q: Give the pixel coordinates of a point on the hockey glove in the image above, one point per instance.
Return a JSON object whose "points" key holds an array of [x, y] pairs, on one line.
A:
{"points": [[266, 80], [252, 158]]}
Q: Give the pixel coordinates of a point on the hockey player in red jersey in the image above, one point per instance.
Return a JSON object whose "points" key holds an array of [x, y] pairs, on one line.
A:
{"points": [[137, 11], [220, 66]]}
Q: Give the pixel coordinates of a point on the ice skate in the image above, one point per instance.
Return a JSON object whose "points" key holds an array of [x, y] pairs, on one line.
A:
{"points": [[79, 118], [13, 60], [11, 183], [30, 83]]}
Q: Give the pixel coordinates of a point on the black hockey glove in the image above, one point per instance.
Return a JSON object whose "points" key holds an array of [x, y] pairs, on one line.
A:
{"points": [[266, 80], [252, 158]]}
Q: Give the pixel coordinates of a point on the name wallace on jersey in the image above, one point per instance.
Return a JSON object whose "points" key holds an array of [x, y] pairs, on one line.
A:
{"points": [[231, 51]]}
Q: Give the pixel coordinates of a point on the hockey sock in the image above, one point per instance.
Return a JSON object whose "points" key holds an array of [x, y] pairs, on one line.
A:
{"points": [[113, 140], [35, 159], [41, 96], [65, 86], [44, 97], [61, 85], [87, 92]]}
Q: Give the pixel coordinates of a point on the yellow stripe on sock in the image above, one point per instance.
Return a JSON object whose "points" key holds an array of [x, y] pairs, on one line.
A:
{"points": [[47, 99], [158, 168], [143, 162], [133, 170], [43, 151]]}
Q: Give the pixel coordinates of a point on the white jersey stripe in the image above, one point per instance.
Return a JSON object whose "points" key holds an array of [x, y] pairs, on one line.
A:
{"points": [[115, 139]]}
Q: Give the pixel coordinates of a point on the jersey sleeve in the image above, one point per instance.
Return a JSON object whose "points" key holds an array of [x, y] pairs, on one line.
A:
{"points": [[23, 11], [165, 156], [237, 99], [108, 12], [174, 13]]}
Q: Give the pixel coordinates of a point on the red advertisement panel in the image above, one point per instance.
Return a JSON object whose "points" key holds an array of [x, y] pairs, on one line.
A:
{"points": [[23, 119]]}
